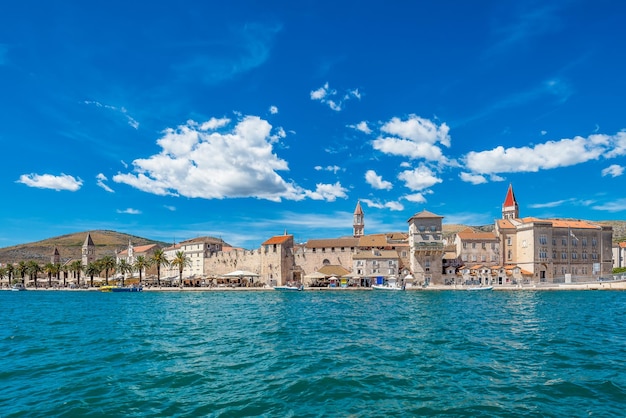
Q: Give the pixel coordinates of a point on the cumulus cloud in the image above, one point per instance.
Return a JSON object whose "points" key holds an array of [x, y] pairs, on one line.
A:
{"points": [[548, 155], [415, 198], [328, 192], [236, 162], [414, 138], [361, 126], [472, 178], [328, 96], [613, 170], [49, 181], [101, 178], [419, 178], [129, 211], [273, 110], [377, 181]]}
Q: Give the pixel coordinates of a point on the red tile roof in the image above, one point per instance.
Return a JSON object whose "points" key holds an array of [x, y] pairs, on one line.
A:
{"points": [[277, 240]]}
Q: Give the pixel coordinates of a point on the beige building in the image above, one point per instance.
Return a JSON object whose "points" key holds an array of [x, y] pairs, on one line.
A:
{"points": [[426, 247], [553, 250], [477, 247]]}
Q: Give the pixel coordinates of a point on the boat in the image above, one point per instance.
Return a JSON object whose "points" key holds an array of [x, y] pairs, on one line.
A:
{"points": [[118, 289], [390, 284], [289, 288], [18, 287], [480, 288]]}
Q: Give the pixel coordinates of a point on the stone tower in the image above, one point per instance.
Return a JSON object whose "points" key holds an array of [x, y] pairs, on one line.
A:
{"points": [[56, 256], [510, 208], [89, 251], [358, 224]]}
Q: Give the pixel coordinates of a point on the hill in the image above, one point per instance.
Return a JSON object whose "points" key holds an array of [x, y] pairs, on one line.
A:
{"points": [[70, 246]]}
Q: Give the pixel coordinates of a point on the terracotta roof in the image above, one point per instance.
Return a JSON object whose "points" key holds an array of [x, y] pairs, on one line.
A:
{"points": [[332, 242], [386, 254], [505, 224], [334, 270], [622, 244], [563, 223], [470, 235], [279, 239], [425, 214], [374, 240], [139, 249]]}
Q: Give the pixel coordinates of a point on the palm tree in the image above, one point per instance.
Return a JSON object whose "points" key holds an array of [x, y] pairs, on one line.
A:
{"points": [[124, 267], [181, 261], [159, 259], [91, 270], [141, 263], [57, 271], [3, 272], [76, 267], [65, 268], [21, 270], [107, 263], [33, 268], [50, 269], [10, 271]]}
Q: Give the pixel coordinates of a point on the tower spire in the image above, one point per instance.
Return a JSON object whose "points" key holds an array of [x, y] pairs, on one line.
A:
{"points": [[510, 208], [358, 224]]}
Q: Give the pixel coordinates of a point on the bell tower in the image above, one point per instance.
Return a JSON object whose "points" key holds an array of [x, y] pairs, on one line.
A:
{"points": [[89, 251], [358, 224], [510, 208]]}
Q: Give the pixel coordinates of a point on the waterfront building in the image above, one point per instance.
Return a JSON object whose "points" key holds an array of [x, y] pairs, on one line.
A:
{"points": [[426, 246], [88, 251], [477, 247], [553, 250], [197, 251], [619, 255], [131, 253]]}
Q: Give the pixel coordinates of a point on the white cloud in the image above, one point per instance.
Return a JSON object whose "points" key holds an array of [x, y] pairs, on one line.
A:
{"points": [[273, 110], [129, 119], [394, 206], [170, 208], [331, 168], [377, 181], [101, 182], [325, 95], [129, 211], [551, 154], [415, 198], [49, 181], [212, 124], [414, 138], [419, 179], [361, 126], [617, 206], [613, 170], [215, 165], [328, 192], [473, 178]]}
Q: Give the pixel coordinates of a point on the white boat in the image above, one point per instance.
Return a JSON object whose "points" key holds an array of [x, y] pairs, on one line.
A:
{"points": [[18, 287], [480, 288], [388, 285], [288, 288]]}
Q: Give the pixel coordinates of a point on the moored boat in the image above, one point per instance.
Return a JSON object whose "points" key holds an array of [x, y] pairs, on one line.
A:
{"points": [[118, 289], [479, 288], [18, 287], [290, 288]]}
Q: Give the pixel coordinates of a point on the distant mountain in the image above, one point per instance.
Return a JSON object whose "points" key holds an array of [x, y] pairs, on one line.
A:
{"points": [[70, 246]]}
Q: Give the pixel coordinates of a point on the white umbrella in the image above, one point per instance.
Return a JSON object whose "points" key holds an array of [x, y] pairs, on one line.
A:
{"points": [[241, 273]]}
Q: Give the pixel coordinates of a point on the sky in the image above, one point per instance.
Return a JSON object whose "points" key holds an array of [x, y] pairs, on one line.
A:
{"points": [[242, 120]]}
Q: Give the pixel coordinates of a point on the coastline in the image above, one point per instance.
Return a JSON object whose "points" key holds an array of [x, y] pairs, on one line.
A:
{"points": [[606, 285]]}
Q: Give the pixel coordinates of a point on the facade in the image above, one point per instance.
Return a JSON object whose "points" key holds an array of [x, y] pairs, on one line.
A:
{"points": [[619, 255], [197, 251], [131, 253], [477, 247], [553, 250], [426, 247], [88, 251]]}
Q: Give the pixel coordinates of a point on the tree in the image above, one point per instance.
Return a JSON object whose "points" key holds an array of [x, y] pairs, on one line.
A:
{"points": [[21, 270], [107, 263], [65, 269], [181, 261], [76, 267], [3, 272], [91, 270], [50, 269], [141, 263], [33, 268], [10, 271], [124, 267], [159, 259]]}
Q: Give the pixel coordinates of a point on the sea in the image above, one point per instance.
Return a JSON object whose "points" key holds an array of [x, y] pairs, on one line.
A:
{"points": [[313, 354]]}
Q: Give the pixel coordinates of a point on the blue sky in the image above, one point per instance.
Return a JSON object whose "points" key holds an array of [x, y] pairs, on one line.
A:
{"points": [[243, 120]]}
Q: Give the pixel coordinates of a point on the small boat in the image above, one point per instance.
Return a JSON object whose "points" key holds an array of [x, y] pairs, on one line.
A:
{"points": [[480, 288], [390, 284], [289, 288], [18, 287]]}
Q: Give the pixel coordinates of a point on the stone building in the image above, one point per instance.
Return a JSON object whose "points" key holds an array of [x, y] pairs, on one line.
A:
{"points": [[477, 247], [426, 247], [88, 251]]}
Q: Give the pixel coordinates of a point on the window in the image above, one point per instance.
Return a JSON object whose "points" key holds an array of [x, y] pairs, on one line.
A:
{"points": [[473, 245], [543, 239], [563, 241], [483, 245], [509, 241], [563, 255], [509, 254], [421, 228], [464, 245]]}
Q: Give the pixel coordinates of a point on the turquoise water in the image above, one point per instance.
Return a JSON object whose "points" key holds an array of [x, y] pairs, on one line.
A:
{"points": [[359, 354]]}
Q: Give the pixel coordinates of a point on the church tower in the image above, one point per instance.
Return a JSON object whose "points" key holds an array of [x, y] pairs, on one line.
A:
{"points": [[358, 223], [89, 251], [56, 256], [510, 208]]}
